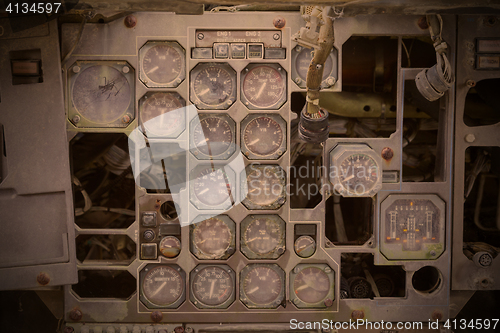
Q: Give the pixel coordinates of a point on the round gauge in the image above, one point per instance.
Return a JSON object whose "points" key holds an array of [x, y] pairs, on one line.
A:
{"points": [[213, 86], [304, 59], [211, 238], [212, 286], [101, 94], [262, 285], [360, 173], [264, 86], [212, 187], [263, 136], [213, 136], [305, 246], [265, 187], [163, 285], [311, 285], [263, 235], [170, 246], [162, 114], [162, 63]]}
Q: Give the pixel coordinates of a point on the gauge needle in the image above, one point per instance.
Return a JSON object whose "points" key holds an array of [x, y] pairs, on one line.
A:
{"points": [[160, 288], [303, 247], [251, 240], [253, 290], [349, 178], [254, 142], [153, 69], [304, 286], [205, 190], [204, 91], [212, 289], [261, 90]]}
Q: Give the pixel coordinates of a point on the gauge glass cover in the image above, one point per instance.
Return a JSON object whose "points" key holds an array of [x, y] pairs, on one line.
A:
{"points": [[263, 136], [163, 285], [213, 136], [311, 285], [162, 64], [262, 285], [212, 187], [263, 86], [263, 235], [265, 187], [212, 285], [162, 114], [212, 237], [213, 85]]}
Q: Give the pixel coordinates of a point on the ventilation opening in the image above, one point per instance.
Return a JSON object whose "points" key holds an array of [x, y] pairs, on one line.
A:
{"points": [[305, 174], [426, 280], [103, 184], [104, 284], [349, 221], [362, 279], [169, 210], [482, 104], [117, 249]]}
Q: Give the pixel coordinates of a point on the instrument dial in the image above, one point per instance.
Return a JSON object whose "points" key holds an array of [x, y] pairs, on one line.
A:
{"points": [[163, 285], [263, 236], [212, 286], [213, 137], [263, 136], [311, 285], [213, 238], [162, 114], [162, 64], [265, 187], [262, 286], [264, 87], [211, 189], [214, 86], [170, 246], [305, 246]]}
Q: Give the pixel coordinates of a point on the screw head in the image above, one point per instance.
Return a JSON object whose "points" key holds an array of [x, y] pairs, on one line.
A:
{"points": [[75, 315], [229, 102], [200, 36], [69, 329], [327, 269], [387, 153], [43, 279], [125, 69], [76, 119], [432, 253], [126, 119], [330, 81], [328, 302], [471, 83], [357, 314], [298, 80], [279, 22], [156, 316], [276, 36], [296, 270], [298, 48], [76, 69], [470, 138], [130, 21]]}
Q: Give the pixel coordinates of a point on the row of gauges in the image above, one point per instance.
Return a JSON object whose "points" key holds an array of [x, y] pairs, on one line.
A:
{"points": [[262, 187], [262, 286], [262, 237]]}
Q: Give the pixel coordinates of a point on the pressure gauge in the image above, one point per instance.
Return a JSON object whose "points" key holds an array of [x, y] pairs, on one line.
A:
{"points": [[162, 114], [412, 227], [263, 86], [170, 246], [262, 286], [355, 170], [212, 286], [312, 285], [301, 59], [213, 86], [305, 246], [263, 236], [264, 187], [211, 187], [162, 286], [263, 136], [162, 64], [213, 237], [213, 136]]}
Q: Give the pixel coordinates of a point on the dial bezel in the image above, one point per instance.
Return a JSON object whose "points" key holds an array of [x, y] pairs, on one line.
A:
{"points": [[143, 298], [199, 304], [143, 77], [195, 250], [320, 304], [280, 248], [197, 152], [254, 156], [283, 98], [279, 298]]}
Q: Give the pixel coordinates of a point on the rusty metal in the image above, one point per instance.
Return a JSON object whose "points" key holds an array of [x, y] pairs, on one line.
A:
{"points": [[328, 302], [422, 23], [471, 83], [75, 315], [179, 329], [357, 314], [130, 21], [387, 153], [43, 279], [279, 22], [69, 329], [437, 315], [156, 316]]}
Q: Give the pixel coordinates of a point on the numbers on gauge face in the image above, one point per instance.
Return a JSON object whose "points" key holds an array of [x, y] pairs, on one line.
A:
{"points": [[263, 136], [358, 173], [304, 59], [162, 64], [212, 286], [212, 237], [311, 285], [264, 187], [262, 285], [263, 235], [213, 136], [162, 114], [213, 85], [263, 86], [212, 187], [101, 93], [163, 285]]}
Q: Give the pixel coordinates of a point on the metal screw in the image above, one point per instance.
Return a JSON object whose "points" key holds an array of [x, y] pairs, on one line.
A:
{"points": [[437, 315], [276, 36], [470, 138], [69, 329], [130, 21], [156, 316], [76, 119], [471, 83], [471, 61], [75, 315], [387, 153], [246, 103], [422, 23], [126, 119], [318, 66], [298, 48], [298, 80], [125, 69], [330, 81], [189, 330], [433, 253], [200, 36], [327, 269], [296, 270], [43, 279], [279, 22], [357, 314], [470, 45], [76, 69], [328, 302], [229, 102], [179, 329]]}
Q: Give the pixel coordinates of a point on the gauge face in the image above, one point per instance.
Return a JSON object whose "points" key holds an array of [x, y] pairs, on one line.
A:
{"points": [[163, 285], [262, 285], [213, 85], [304, 59], [265, 187], [101, 94], [358, 173], [212, 285], [311, 285], [263, 235], [263, 136], [305, 246], [213, 136], [263, 86], [212, 238], [170, 246], [162, 64], [162, 114], [212, 187]]}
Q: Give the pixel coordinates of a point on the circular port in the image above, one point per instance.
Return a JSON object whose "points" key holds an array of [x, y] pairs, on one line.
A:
{"points": [[426, 280], [168, 210]]}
